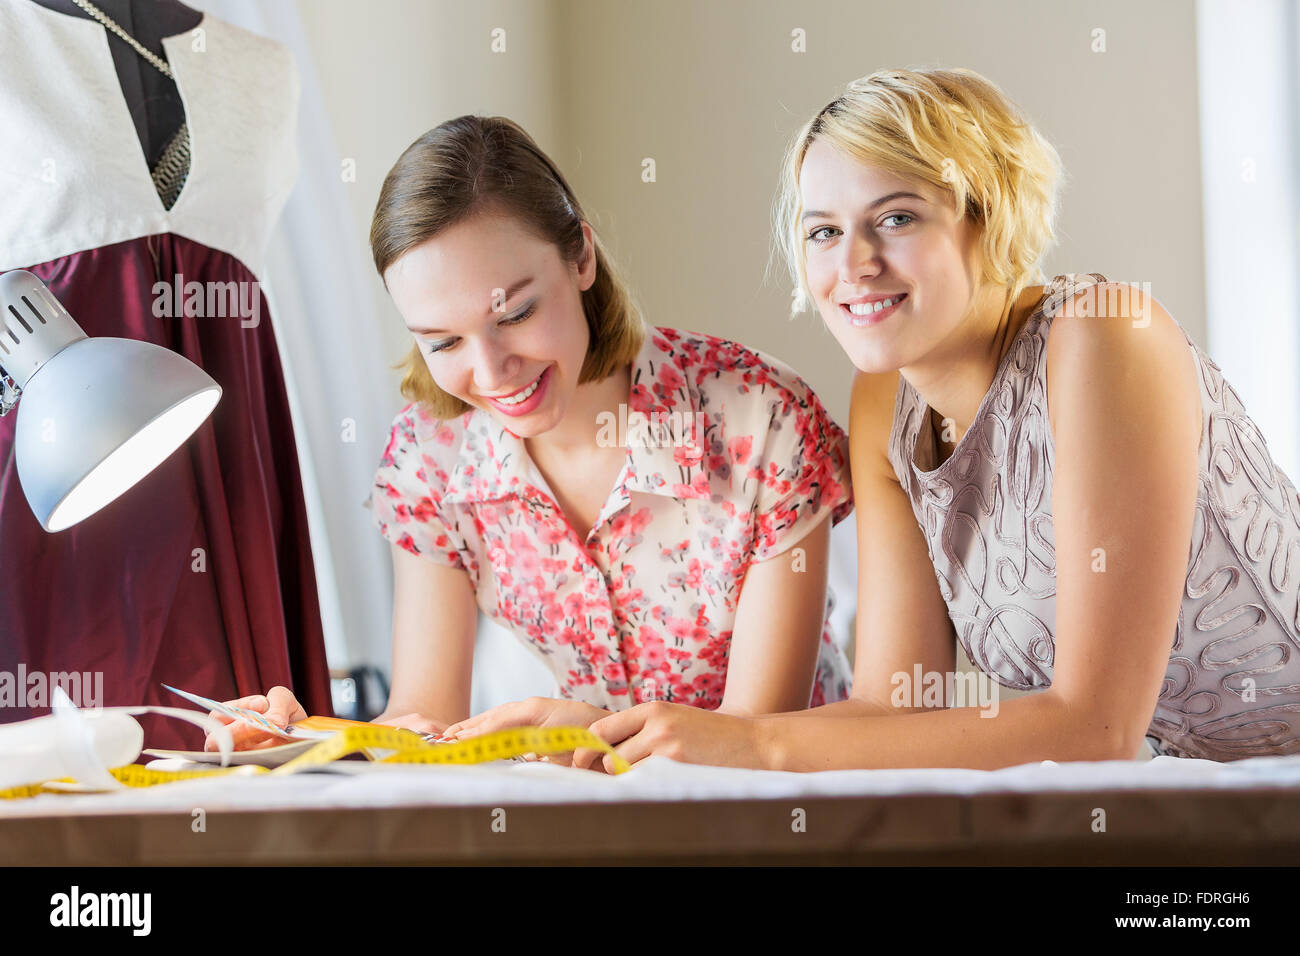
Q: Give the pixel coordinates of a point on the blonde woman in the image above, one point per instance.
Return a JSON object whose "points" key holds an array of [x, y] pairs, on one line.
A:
{"points": [[1055, 476], [647, 509]]}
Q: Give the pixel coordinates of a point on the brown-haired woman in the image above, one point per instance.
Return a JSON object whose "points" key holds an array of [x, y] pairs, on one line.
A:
{"points": [[645, 508]]}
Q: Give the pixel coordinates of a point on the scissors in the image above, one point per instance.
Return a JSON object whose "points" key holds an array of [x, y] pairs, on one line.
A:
{"points": [[238, 713]]}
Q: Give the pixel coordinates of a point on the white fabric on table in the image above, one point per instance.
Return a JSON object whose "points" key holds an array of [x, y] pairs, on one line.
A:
{"points": [[358, 784]]}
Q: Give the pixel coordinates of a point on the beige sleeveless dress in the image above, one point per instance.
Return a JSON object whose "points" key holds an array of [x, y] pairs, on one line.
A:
{"points": [[1232, 688]]}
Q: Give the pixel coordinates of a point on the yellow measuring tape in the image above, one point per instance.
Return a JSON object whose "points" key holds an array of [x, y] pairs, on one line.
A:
{"points": [[406, 747], [132, 775]]}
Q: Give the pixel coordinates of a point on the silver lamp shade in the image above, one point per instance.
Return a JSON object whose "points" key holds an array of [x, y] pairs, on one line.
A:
{"points": [[97, 414]]}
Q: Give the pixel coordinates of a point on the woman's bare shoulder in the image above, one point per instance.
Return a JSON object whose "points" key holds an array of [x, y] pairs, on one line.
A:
{"points": [[1120, 342]]}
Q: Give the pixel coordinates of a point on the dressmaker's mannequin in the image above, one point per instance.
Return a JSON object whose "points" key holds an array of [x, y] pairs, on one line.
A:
{"points": [[154, 102], [202, 575]]}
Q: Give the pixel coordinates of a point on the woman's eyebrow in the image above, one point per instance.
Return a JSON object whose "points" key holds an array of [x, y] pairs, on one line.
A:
{"points": [[814, 213], [510, 293]]}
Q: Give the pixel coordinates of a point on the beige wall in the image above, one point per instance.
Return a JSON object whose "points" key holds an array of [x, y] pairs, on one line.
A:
{"points": [[390, 70], [712, 91]]}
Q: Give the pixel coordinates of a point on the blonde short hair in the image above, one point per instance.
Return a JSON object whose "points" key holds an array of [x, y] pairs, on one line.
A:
{"points": [[956, 131], [480, 164]]}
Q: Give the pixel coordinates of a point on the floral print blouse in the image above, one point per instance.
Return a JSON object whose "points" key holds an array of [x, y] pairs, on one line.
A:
{"points": [[731, 459]]}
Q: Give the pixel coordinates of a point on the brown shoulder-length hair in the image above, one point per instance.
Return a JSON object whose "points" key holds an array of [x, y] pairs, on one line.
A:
{"points": [[474, 164]]}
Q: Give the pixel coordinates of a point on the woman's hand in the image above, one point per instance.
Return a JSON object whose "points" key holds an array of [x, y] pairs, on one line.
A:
{"points": [[678, 731], [533, 712], [417, 722], [282, 708], [279, 706]]}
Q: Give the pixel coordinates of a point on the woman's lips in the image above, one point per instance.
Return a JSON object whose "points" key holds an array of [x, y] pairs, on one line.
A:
{"points": [[531, 402], [864, 321]]}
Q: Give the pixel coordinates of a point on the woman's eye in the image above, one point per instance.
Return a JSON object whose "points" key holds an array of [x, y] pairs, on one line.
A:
{"points": [[813, 236], [521, 316], [513, 320]]}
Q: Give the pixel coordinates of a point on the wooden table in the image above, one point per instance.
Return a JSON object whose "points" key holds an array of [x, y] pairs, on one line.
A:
{"points": [[1149, 827]]}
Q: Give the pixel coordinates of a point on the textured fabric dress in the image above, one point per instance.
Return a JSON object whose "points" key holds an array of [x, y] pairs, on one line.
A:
{"points": [[201, 575], [741, 462], [1232, 687]]}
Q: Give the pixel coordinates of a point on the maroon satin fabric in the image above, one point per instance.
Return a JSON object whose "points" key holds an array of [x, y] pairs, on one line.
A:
{"points": [[119, 593]]}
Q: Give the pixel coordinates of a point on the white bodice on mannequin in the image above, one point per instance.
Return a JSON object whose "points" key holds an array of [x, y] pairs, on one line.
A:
{"points": [[73, 175]]}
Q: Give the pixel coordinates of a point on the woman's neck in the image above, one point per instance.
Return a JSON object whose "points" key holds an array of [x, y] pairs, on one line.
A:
{"points": [[575, 435], [956, 375]]}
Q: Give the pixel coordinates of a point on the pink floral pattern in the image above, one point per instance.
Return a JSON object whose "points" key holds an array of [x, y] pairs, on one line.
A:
{"points": [[643, 608]]}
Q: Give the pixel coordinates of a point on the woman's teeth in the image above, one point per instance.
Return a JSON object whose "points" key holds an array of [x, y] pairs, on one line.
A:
{"points": [[522, 396], [867, 308]]}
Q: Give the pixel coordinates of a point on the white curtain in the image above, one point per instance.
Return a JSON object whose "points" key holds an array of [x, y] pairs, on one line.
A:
{"points": [[1249, 83], [334, 363], [341, 387]]}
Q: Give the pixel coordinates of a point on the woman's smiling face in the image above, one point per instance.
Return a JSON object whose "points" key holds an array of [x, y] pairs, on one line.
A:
{"points": [[858, 247], [497, 314]]}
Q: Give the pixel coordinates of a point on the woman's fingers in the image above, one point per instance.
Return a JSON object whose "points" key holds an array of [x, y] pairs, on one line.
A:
{"points": [[243, 736], [588, 759], [239, 731], [257, 702], [519, 713], [468, 723], [533, 712], [417, 722], [278, 704], [284, 708]]}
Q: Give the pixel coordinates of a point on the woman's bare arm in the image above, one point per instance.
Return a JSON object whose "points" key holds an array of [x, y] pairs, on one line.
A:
{"points": [[1121, 401], [778, 627], [1125, 482], [901, 618], [435, 619]]}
